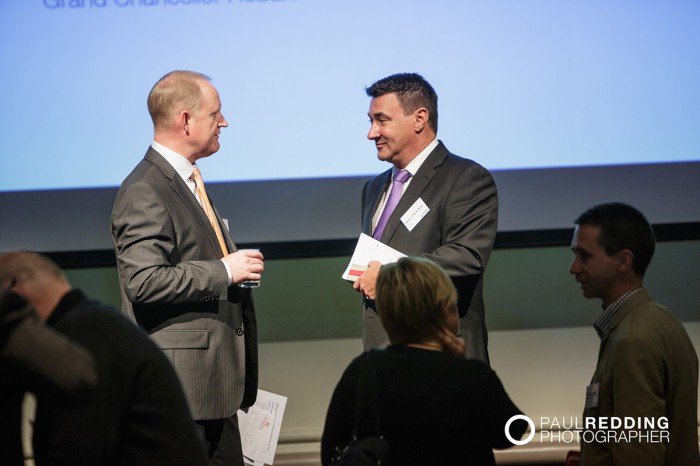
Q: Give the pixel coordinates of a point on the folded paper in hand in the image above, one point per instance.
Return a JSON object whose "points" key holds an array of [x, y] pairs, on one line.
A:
{"points": [[369, 249]]}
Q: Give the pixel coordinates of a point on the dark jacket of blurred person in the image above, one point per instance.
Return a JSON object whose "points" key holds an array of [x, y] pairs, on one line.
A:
{"points": [[35, 358], [138, 414]]}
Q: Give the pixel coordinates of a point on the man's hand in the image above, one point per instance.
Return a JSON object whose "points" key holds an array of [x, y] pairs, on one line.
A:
{"points": [[367, 282], [245, 264]]}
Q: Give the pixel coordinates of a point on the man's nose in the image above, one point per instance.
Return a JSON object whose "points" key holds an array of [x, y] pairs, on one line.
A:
{"points": [[574, 267], [373, 133]]}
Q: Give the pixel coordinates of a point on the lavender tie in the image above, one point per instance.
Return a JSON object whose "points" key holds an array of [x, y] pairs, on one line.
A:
{"points": [[400, 177]]}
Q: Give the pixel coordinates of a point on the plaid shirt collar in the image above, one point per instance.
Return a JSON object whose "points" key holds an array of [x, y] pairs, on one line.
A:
{"points": [[602, 323]]}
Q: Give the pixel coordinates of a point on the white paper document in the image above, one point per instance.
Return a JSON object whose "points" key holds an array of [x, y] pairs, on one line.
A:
{"points": [[260, 428], [367, 250]]}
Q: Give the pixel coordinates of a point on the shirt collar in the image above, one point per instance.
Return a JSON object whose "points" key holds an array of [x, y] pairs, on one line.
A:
{"points": [[182, 166], [602, 323], [416, 163]]}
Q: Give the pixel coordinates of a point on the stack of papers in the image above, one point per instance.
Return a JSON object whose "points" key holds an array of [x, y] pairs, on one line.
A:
{"points": [[367, 250], [260, 428]]}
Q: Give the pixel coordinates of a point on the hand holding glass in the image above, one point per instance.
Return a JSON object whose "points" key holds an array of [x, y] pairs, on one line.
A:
{"points": [[250, 283]]}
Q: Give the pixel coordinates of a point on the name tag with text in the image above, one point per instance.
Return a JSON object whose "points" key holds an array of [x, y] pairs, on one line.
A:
{"points": [[415, 214]]}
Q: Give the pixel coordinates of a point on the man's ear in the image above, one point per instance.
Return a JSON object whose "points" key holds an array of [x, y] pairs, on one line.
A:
{"points": [[184, 121], [422, 115], [625, 259]]}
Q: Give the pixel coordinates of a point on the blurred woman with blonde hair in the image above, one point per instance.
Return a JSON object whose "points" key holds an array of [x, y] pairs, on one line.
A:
{"points": [[433, 406]]}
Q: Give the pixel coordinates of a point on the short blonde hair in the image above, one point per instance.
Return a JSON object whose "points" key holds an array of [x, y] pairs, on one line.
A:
{"points": [[176, 91], [413, 295]]}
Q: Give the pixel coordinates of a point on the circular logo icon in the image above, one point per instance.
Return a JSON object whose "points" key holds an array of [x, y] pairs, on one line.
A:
{"points": [[526, 440]]}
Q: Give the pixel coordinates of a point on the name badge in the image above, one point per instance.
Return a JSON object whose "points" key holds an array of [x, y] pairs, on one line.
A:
{"points": [[415, 214], [592, 395]]}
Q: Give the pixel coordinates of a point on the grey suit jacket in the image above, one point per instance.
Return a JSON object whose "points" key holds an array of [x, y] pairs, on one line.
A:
{"points": [[175, 286], [457, 233]]}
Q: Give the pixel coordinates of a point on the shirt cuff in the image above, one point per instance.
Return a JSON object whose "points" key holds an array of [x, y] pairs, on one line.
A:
{"points": [[228, 272]]}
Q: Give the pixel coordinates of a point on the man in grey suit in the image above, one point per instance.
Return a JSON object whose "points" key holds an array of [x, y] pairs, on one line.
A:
{"points": [[448, 207], [179, 269]]}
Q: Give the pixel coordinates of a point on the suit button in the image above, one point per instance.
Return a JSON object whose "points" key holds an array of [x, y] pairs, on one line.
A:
{"points": [[239, 331]]}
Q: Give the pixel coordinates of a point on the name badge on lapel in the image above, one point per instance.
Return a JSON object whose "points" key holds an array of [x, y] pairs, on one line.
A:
{"points": [[592, 395], [415, 214]]}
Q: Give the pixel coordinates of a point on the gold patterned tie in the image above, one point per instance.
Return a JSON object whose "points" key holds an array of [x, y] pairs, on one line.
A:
{"points": [[206, 205]]}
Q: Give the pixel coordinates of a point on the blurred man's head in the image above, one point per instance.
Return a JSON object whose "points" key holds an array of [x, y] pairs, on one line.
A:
{"points": [[35, 278]]}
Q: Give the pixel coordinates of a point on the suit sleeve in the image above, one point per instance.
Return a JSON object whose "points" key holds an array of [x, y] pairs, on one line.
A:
{"points": [[638, 372], [150, 251], [468, 221]]}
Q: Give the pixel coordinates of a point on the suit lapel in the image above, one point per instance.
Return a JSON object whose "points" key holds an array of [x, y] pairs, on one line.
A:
{"points": [[182, 191], [224, 230], [419, 183], [375, 190]]}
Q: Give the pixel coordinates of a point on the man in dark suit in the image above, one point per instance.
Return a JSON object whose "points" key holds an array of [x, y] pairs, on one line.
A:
{"points": [[137, 414], [179, 266], [448, 207], [647, 370]]}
